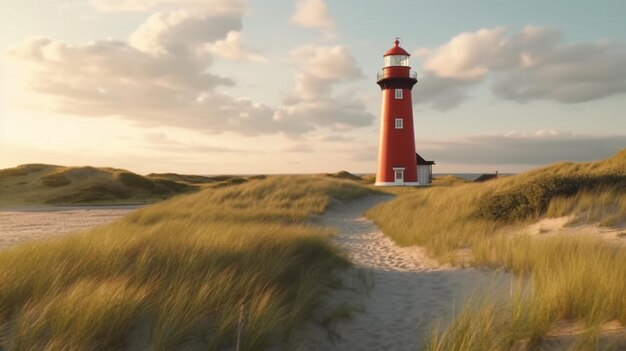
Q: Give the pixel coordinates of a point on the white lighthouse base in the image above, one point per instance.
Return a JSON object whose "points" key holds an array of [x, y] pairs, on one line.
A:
{"points": [[403, 184]]}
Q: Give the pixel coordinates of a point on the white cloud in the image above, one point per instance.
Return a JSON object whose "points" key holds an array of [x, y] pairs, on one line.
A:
{"points": [[158, 83], [321, 67], [216, 6], [181, 31], [466, 56], [162, 76], [327, 62], [533, 64], [232, 48], [313, 101], [312, 14]]}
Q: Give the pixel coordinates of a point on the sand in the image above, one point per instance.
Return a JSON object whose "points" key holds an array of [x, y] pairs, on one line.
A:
{"points": [[567, 225], [395, 293], [20, 225]]}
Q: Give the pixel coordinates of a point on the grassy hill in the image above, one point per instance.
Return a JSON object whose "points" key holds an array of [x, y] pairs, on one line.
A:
{"points": [[575, 279], [40, 184], [186, 269], [447, 218], [183, 272]]}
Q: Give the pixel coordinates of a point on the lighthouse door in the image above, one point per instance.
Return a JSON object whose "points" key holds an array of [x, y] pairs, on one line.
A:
{"points": [[399, 176]]}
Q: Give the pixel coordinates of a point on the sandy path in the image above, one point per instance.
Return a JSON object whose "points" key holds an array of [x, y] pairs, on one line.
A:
{"points": [[21, 225], [407, 290]]}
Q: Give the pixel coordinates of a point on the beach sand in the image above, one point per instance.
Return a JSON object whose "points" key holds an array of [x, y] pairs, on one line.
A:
{"points": [[563, 226], [20, 225], [395, 293]]}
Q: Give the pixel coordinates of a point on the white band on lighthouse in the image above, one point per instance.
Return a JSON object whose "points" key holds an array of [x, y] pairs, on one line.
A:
{"points": [[394, 184]]}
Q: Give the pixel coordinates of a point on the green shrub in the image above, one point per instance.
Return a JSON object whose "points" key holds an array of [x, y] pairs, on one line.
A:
{"points": [[531, 199]]}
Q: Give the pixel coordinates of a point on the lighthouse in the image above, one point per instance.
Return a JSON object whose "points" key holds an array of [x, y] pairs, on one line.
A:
{"points": [[398, 163]]}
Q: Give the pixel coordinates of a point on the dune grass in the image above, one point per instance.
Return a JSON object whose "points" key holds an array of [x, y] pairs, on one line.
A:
{"points": [[40, 184], [447, 218], [603, 205], [185, 269], [568, 278], [564, 278]]}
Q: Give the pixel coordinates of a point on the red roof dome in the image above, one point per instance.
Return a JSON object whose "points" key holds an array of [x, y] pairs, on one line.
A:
{"points": [[396, 50]]}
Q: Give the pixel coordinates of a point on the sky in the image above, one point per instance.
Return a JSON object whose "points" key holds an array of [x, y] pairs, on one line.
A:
{"points": [[277, 86]]}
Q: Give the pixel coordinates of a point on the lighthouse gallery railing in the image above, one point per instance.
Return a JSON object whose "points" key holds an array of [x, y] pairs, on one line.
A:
{"points": [[381, 75]]}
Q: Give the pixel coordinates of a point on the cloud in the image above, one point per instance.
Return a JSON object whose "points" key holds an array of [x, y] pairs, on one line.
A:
{"points": [[161, 142], [216, 6], [573, 74], [327, 62], [312, 14], [327, 112], [321, 67], [541, 147], [441, 93], [113, 78], [533, 64], [182, 31], [232, 48], [299, 148], [162, 76], [337, 138], [466, 56]]}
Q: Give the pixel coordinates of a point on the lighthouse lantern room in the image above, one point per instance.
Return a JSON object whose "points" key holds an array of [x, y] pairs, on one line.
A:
{"points": [[397, 160]]}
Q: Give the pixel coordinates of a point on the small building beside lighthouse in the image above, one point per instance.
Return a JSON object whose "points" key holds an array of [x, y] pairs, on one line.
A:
{"points": [[398, 162]]}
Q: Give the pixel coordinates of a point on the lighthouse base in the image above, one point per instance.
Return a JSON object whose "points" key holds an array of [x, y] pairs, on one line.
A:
{"points": [[403, 184]]}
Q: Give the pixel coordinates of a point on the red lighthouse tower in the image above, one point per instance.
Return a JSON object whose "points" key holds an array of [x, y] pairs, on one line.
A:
{"points": [[397, 159]]}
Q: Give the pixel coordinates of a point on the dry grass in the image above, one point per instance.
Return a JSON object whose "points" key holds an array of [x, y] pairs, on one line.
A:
{"points": [[186, 267], [575, 278], [605, 206], [40, 184], [438, 218], [448, 180], [445, 219], [579, 279]]}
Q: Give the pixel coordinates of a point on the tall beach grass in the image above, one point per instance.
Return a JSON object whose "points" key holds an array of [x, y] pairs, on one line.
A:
{"points": [[566, 278], [195, 268]]}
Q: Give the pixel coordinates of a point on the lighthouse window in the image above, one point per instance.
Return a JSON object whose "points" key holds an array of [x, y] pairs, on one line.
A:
{"points": [[399, 124], [398, 93], [396, 60]]}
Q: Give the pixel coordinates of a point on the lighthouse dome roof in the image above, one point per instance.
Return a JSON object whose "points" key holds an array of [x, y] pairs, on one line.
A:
{"points": [[396, 50]]}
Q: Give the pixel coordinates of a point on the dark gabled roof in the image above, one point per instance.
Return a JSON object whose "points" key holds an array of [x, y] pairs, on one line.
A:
{"points": [[420, 160], [485, 177]]}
